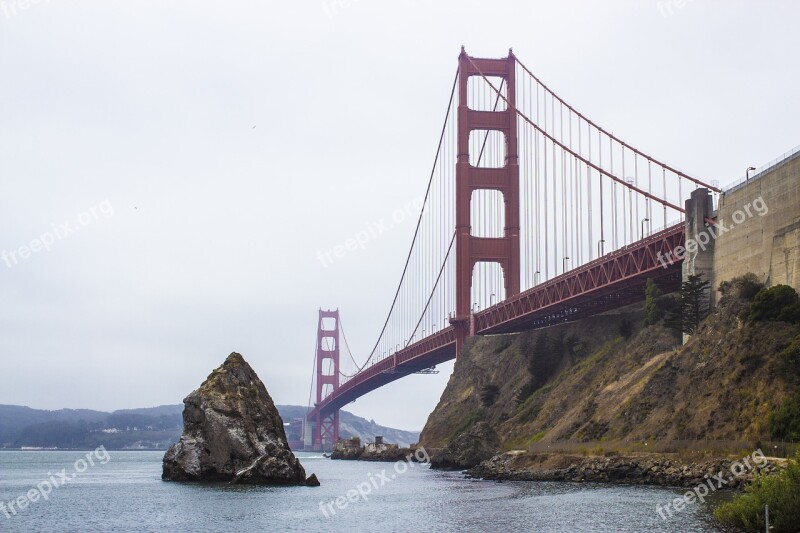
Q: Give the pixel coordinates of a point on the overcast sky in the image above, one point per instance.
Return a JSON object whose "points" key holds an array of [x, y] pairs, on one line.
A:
{"points": [[207, 151]]}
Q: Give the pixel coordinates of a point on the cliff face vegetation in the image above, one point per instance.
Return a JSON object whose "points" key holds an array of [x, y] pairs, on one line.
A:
{"points": [[614, 378]]}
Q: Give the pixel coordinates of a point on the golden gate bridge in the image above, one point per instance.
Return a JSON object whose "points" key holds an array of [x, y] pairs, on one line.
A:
{"points": [[533, 215]]}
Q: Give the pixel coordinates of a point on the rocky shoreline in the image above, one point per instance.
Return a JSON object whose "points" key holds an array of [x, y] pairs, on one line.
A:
{"points": [[634, 469]]}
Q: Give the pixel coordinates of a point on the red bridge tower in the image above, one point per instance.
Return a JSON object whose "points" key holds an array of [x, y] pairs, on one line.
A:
{"points": [[326, 428], [471, 250]]}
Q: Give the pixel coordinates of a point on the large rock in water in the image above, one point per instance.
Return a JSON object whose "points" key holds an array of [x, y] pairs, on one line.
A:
{"points": [[232, 432]]}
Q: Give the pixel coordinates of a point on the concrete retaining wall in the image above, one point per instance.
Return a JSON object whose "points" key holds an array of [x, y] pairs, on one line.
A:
{"points": [[763, 221]]}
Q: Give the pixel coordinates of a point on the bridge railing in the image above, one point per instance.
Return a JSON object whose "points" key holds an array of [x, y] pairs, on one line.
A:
{"points": [[592, 276], [762, 170]]}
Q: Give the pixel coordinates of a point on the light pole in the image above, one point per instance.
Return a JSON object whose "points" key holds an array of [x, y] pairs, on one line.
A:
{"points": [[536, 277], [491, 300], [747, 172], [564, 265], [643, 221], [600, 247]]}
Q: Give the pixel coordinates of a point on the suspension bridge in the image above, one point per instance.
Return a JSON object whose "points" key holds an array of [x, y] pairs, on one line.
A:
{"points": [[533, 215]]}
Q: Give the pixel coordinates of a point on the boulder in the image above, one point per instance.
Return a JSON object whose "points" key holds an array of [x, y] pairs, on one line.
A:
{"points": [[470, 448], [232, 432]]}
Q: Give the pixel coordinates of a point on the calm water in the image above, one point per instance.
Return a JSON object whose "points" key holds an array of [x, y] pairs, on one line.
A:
{"points": [[127, 494]]}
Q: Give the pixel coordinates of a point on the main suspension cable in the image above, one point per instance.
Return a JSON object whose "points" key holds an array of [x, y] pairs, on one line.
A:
{"points": [[571, 152], [610, 135]]}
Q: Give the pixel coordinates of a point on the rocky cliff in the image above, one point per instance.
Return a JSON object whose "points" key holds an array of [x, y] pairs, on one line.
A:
{"points": [[609, 379], [233, 433]]}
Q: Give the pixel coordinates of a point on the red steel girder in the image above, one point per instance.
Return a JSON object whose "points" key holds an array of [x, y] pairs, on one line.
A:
{"points": [[566, 294]]}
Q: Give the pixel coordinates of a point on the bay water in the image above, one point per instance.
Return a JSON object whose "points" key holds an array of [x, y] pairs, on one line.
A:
{"points": [[123, 492]]}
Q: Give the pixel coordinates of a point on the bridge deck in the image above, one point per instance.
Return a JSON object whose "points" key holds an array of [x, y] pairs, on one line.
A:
{"points": [[609, 282]]}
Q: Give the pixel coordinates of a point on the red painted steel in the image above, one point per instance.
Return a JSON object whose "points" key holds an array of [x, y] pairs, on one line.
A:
{"points": [[471, 250], [428, 352], [612, 281], [609, 282], [326, 426]]}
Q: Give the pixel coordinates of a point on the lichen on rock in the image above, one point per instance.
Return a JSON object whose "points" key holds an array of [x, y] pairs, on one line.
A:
{"points": [[233, 433]]}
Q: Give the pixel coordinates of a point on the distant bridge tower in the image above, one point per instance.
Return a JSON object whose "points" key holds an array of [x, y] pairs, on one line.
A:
{"points": [[471, 250], [326, 428]]}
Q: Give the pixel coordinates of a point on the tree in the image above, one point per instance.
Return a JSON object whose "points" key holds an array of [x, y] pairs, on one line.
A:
{"points": [[780, 302], [653, 312], [694, 305]]}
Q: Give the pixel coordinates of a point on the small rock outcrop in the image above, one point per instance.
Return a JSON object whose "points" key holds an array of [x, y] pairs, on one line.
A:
{"points": [[479, 443], [233, 433], [352, 450]]}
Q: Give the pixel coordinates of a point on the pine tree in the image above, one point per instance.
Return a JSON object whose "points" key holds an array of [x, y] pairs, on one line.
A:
{"points": [[694, 305]]}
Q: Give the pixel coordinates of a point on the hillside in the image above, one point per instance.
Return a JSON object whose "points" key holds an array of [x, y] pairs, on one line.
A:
{"points": [[145, 428], [611, 379], [351, 425]]}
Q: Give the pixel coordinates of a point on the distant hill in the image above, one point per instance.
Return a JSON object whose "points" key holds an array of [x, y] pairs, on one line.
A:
{"points": [[153, 428], [351, 425]]}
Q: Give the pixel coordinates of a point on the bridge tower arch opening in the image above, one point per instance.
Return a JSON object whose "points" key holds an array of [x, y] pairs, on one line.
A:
{"points": [[488, 286]]}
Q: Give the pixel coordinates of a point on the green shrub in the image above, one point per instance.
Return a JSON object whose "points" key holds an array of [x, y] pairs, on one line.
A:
{"points": [[785, 422], [653, 313], [790, 360], [781, 492], [746, 287], [780, 302]]}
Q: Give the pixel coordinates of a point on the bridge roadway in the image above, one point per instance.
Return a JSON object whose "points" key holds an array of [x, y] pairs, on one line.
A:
{"points": [[615, 280]]}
